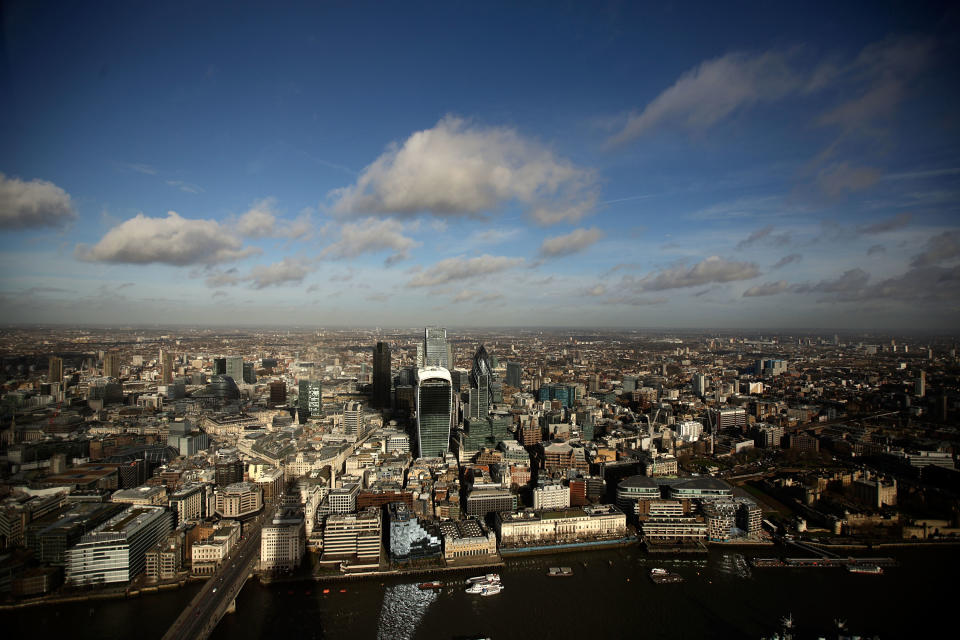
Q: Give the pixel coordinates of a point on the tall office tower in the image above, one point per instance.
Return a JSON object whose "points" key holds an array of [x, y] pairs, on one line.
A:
{"points": [[310, 400], [353, 423], [381, 375], [248, 374], [480, 379], [219, 366], [278, 393], [629, 383], [55, 370], [234, 367], [699, 384], [514, 372], [166, 367], [111, 365], [436, 350], [920, 386], [434, 404]]}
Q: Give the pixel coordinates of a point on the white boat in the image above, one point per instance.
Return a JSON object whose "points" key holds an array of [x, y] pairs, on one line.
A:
{"points": [[658, 572], [491, 590], [490, 577], [477, 587]]}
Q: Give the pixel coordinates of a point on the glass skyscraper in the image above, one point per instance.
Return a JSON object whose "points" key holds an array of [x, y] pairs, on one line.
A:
{"points": [[436, 350], [434, 398]]}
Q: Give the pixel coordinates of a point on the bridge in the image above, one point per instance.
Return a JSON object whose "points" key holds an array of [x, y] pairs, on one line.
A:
{"points": [[218, 595]]}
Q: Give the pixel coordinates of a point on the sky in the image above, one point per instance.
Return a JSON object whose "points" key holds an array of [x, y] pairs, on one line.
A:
{"points": [[480, 164]]}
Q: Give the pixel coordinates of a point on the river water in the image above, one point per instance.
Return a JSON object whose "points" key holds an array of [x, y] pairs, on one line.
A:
{"points": [[609, 594]]}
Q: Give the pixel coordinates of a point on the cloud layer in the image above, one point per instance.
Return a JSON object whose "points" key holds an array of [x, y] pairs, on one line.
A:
{"points": [[707, 271], [33, 204], [371, 236], [459, 169], [457, 269], [576, 240], [173, 240]]}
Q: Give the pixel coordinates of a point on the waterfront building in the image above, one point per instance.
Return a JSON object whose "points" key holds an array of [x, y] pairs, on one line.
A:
{"points": [[50, 535], [116, 550], [635, 488], [354, 536], [282, 542], [165, 559], [528, 527], [467, 538], [207, 554], [482, 501], [409, 538], [698, 488], [434, 406]]}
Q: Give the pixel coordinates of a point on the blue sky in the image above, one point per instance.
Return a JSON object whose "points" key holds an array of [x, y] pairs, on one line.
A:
{"points": [[714, 165]]}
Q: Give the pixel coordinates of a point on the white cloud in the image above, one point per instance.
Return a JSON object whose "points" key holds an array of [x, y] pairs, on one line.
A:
{"points": [[459, 169], [455, 269], [850, 281], [576, 240], [713, 90], [172, 240], [767, 289], [280, 273], [37, 203], [262, 220], [372, 236], [596, 290], [707, 271]]}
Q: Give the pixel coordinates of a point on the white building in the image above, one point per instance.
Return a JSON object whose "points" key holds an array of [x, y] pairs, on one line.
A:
{"points": [[551, 496], [690, 430], [189, 502], [116, 550], [546, 527], [282, 542], [239, 499]]}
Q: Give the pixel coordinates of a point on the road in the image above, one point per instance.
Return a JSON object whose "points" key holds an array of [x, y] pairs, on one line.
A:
{"points": [[204, 612]]}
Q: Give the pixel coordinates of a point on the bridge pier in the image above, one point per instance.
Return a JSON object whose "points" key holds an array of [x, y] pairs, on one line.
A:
{"points": [[233, 606]]}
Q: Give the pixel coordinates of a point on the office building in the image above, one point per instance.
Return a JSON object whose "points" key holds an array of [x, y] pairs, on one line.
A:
{"points": [[189, 503], [116, 550], [234, 368], [55, 370], [219, 366], [599, 522], [434, 407], [310, 400], [283, 542], [382, 376], [166, 367], [436, 349], [480, 383], [249, 375], [409, 538], [278, 393], [353, 537], [111, 365], [700, 384], [551, 496], [514, 373], [238, 500], [353, 422]]}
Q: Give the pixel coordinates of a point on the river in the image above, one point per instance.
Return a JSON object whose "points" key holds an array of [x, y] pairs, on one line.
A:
{"points": [[610, 594]]}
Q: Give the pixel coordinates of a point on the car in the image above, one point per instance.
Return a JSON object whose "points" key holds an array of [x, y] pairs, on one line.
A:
{"points": [[214, 590]]}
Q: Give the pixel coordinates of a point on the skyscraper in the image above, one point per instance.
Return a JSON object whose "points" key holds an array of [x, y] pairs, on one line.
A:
{"points": [[436, 350], [55, 370], [310, 401], [219, 366], [381, 375], [353, 422], [234, 368], [434, 404], [514, 372], [111, 365], [480, 379], [166, 367], [699, 384]]}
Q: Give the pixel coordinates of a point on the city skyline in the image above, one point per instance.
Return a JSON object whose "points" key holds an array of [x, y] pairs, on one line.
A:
{"points": [[481, 166]]}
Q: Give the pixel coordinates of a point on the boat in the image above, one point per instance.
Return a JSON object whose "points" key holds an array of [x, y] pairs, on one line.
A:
{"points": [[490, 577], [871, 569], [560, 572], [430, 585], [662, 576], [491, 590], [476, 587]]}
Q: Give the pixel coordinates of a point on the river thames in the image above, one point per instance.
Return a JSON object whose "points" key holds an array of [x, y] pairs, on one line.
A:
{"points": [[609, 593]]}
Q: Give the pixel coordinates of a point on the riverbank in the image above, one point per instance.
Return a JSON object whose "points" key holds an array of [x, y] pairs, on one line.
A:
{"points": [[103, 594], [386, 574], [568, 547]]}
